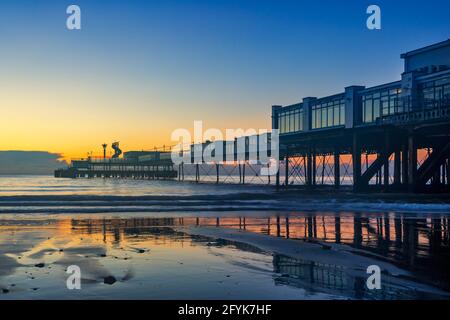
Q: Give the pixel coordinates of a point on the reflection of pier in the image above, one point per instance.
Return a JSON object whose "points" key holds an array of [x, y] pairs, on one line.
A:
{"points": [[416, 244], [333, 279]]}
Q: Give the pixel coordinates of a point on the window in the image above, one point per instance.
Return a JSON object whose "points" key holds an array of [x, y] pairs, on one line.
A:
{"points": [[385, 102], [435, 94], [329, 113], [290, 120]]}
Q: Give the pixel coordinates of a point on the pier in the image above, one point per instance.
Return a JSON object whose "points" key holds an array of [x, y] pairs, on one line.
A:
{"points": [[155, 165], [393, 137]]}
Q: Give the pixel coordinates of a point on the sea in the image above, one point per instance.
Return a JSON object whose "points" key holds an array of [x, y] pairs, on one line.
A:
{"points": [[156, 239]]}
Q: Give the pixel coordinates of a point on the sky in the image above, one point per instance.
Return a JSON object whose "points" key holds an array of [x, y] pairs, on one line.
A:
{"points": [[137, 70]]}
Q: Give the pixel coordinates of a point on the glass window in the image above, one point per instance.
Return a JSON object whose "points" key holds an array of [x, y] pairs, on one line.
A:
{"points": [[324, 117], [336, 115], [288, 127], [435, 93], [313, 119], [447, 91], [300, 121], [328, 114], [290, 121], [368, 116], [330, 117], [376, 109], [318, 118], [392, 104], [385, 105]]}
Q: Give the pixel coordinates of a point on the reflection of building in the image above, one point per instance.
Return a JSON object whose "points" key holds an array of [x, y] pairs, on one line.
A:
{"points": [[333, 279], [419, 245], [416, 244]]}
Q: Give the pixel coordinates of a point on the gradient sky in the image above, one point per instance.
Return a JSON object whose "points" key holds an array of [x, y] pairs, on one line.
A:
{"points": [[139, 69]]}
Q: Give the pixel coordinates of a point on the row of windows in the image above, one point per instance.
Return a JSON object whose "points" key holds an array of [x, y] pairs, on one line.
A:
{"points": [[381, 103], [436, 93], [291, 121], [328, 114], [374, 105]]}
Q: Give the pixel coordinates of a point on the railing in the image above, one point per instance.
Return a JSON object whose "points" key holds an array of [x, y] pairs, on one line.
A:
{"points": [[425, 111]]}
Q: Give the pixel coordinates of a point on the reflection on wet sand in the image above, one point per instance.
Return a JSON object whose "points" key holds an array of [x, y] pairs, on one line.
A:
{"points": [[418, 245]]}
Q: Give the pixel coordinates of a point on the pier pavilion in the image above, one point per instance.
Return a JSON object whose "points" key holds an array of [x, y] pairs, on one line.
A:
{"points": [[380, 129]]}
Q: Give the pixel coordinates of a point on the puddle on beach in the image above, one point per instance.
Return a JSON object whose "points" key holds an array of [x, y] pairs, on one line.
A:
{"points": [[150, 258]]}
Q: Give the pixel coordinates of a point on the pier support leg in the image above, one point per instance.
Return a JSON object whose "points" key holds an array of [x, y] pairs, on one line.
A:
{"points": [[436, 181], [405, 165], [324, 157], [443, 173], [277, 177], [314, 167], [309, 169], [304, 167], [447, 167], [412, 162], [397, 165], [240, 173], [286, 170], [356, 160], [337, 169], [386, 160]]}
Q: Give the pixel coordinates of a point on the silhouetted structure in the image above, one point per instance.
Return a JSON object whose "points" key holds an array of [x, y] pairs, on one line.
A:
{"points": [[367, 138], [150, 165]]}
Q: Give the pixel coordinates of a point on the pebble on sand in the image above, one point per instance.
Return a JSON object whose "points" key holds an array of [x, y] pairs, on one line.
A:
{"points": [[39, 265], [109, 280]]}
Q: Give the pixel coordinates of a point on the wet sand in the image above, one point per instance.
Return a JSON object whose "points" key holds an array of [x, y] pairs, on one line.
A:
{"points": [[191, 258]]}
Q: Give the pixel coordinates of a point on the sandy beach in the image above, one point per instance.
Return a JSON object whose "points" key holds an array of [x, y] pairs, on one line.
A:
{"points": [[190, 258]]}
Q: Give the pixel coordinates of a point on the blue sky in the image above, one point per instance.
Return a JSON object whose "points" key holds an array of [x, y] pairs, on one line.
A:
{"points": [[172, 62]]}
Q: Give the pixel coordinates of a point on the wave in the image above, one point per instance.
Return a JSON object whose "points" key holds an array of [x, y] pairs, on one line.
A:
{"points": [[228, 202]]}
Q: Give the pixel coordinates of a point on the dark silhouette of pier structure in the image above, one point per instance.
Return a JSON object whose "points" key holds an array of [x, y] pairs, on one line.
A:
{"points": [[392, 137], [156, 165]]}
